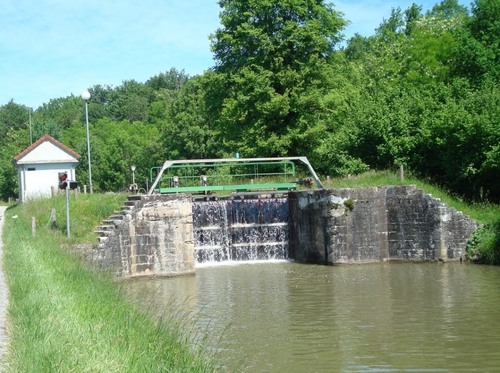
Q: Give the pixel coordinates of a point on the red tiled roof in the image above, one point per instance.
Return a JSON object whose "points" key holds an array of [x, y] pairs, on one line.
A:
{"points": [[41, 140]]}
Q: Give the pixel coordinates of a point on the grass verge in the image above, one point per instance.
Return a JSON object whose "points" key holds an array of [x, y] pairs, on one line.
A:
{"points": [[65, 317], [485, 245]]}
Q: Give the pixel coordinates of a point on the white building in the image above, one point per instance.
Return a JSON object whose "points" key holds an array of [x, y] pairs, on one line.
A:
{"points": [[38, 167]]}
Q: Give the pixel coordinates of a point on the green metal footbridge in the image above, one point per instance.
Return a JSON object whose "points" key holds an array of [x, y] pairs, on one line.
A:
{"points": [[229, 174]]}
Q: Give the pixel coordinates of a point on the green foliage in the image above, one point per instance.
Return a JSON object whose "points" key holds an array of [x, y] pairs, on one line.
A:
{"points": [[477, 56], [349, 204], [485, 245], [14, 141], [130, 102], [186, 131], [14, 138], [273, 59], [115, 147], [13, 116], [50, 128], [63, 112], [173, 80]]}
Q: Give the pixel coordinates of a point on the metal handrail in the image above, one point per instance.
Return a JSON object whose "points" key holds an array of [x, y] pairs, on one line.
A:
{"points": [[171, 166]]}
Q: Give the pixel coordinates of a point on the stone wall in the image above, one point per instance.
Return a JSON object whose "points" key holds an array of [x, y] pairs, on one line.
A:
{"points": [[151, 236], [374, 224]]}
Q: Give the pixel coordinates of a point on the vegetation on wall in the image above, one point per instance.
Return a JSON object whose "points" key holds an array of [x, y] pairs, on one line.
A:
{"points": [[421, 92]]}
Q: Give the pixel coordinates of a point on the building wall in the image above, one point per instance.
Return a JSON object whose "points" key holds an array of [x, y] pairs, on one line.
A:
{"points": [[39, 180]]}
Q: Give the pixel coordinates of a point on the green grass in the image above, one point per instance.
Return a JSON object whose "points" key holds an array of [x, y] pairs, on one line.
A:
{"points": [[66, 317], [485, 245], [86, 212]]}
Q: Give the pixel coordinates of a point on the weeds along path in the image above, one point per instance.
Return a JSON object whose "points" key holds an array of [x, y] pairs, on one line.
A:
{"points": [[3, 294]]}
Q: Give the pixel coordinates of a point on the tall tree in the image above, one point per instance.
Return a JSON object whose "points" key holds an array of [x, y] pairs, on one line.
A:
{"points": [[63, 111], [477, 56], [187, 132], [448, 9], [130, 101], [13, 117], [274, 60], [171, 80]]}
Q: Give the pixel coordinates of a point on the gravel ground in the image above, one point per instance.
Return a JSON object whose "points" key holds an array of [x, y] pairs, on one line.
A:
{"points": [[4, 295]]}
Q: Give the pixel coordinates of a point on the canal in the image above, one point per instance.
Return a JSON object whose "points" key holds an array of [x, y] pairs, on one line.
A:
{"points": [[385, 317]]}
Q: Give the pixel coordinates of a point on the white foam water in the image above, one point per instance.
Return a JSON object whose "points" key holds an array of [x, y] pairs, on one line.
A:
{"points": [[241, 230]]}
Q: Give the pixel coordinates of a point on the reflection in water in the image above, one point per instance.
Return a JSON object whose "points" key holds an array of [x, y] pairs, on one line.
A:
{"points": [[386, 317]]}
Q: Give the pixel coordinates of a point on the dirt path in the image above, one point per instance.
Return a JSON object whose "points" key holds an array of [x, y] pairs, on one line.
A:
{"points": [[4, 299]]}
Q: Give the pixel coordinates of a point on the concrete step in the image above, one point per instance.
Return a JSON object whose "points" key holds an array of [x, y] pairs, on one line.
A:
{"points": [[107, 227], [103, 233], [135, 197]]}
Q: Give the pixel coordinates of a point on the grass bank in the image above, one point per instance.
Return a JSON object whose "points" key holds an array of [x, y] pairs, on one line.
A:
{"points": [[485, 245], [65, 317]]}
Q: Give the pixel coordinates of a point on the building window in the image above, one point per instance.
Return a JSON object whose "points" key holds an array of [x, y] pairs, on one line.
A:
{"points": [[31, 169]]}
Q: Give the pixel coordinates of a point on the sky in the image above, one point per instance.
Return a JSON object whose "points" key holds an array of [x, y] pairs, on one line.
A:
{"points": [[57, 48]]}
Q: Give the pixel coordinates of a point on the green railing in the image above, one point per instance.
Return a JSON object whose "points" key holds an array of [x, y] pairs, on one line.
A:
{"points": [[224, 176]]}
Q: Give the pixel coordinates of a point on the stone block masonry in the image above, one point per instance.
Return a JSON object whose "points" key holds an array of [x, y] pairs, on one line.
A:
{"points": [[153, 235], [361, 225]]}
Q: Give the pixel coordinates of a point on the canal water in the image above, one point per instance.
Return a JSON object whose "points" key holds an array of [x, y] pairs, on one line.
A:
{"points": [[386, 317]]}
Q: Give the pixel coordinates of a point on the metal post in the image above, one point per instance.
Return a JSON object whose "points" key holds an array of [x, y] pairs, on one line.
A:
{"points": [[88, 144], [67, 213]]}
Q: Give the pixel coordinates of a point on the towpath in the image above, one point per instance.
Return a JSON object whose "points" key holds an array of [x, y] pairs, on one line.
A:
{"points": [[4, 297]]}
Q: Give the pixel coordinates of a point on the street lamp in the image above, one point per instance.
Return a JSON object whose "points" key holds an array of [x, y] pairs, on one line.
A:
{"points": [[86, 98], [133, 173]]}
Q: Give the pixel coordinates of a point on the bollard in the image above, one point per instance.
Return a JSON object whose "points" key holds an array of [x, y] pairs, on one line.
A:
{"points": [[53, 219], [33, 226]]}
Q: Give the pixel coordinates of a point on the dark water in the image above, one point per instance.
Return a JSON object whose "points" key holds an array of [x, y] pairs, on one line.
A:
{"points": [[387, 317]]}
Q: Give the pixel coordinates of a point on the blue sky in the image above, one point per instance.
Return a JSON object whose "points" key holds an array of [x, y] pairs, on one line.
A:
{"points": [[55, 48]]}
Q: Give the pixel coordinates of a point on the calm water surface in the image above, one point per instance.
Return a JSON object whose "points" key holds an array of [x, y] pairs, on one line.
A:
{"points": [[387, 317]]}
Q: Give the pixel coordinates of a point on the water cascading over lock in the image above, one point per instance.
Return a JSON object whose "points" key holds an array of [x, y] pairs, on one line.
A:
{"points": [[241, 229]]}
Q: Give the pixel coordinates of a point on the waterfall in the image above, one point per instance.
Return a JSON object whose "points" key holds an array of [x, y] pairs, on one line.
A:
{"points": [[241, 229]]}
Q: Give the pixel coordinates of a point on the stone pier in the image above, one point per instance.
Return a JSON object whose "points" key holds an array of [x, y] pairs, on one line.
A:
{"points": [[153, 235], [361, 225]]}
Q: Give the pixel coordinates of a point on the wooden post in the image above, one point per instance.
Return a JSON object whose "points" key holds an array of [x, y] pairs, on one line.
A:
{"points": [[33, 226]]}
